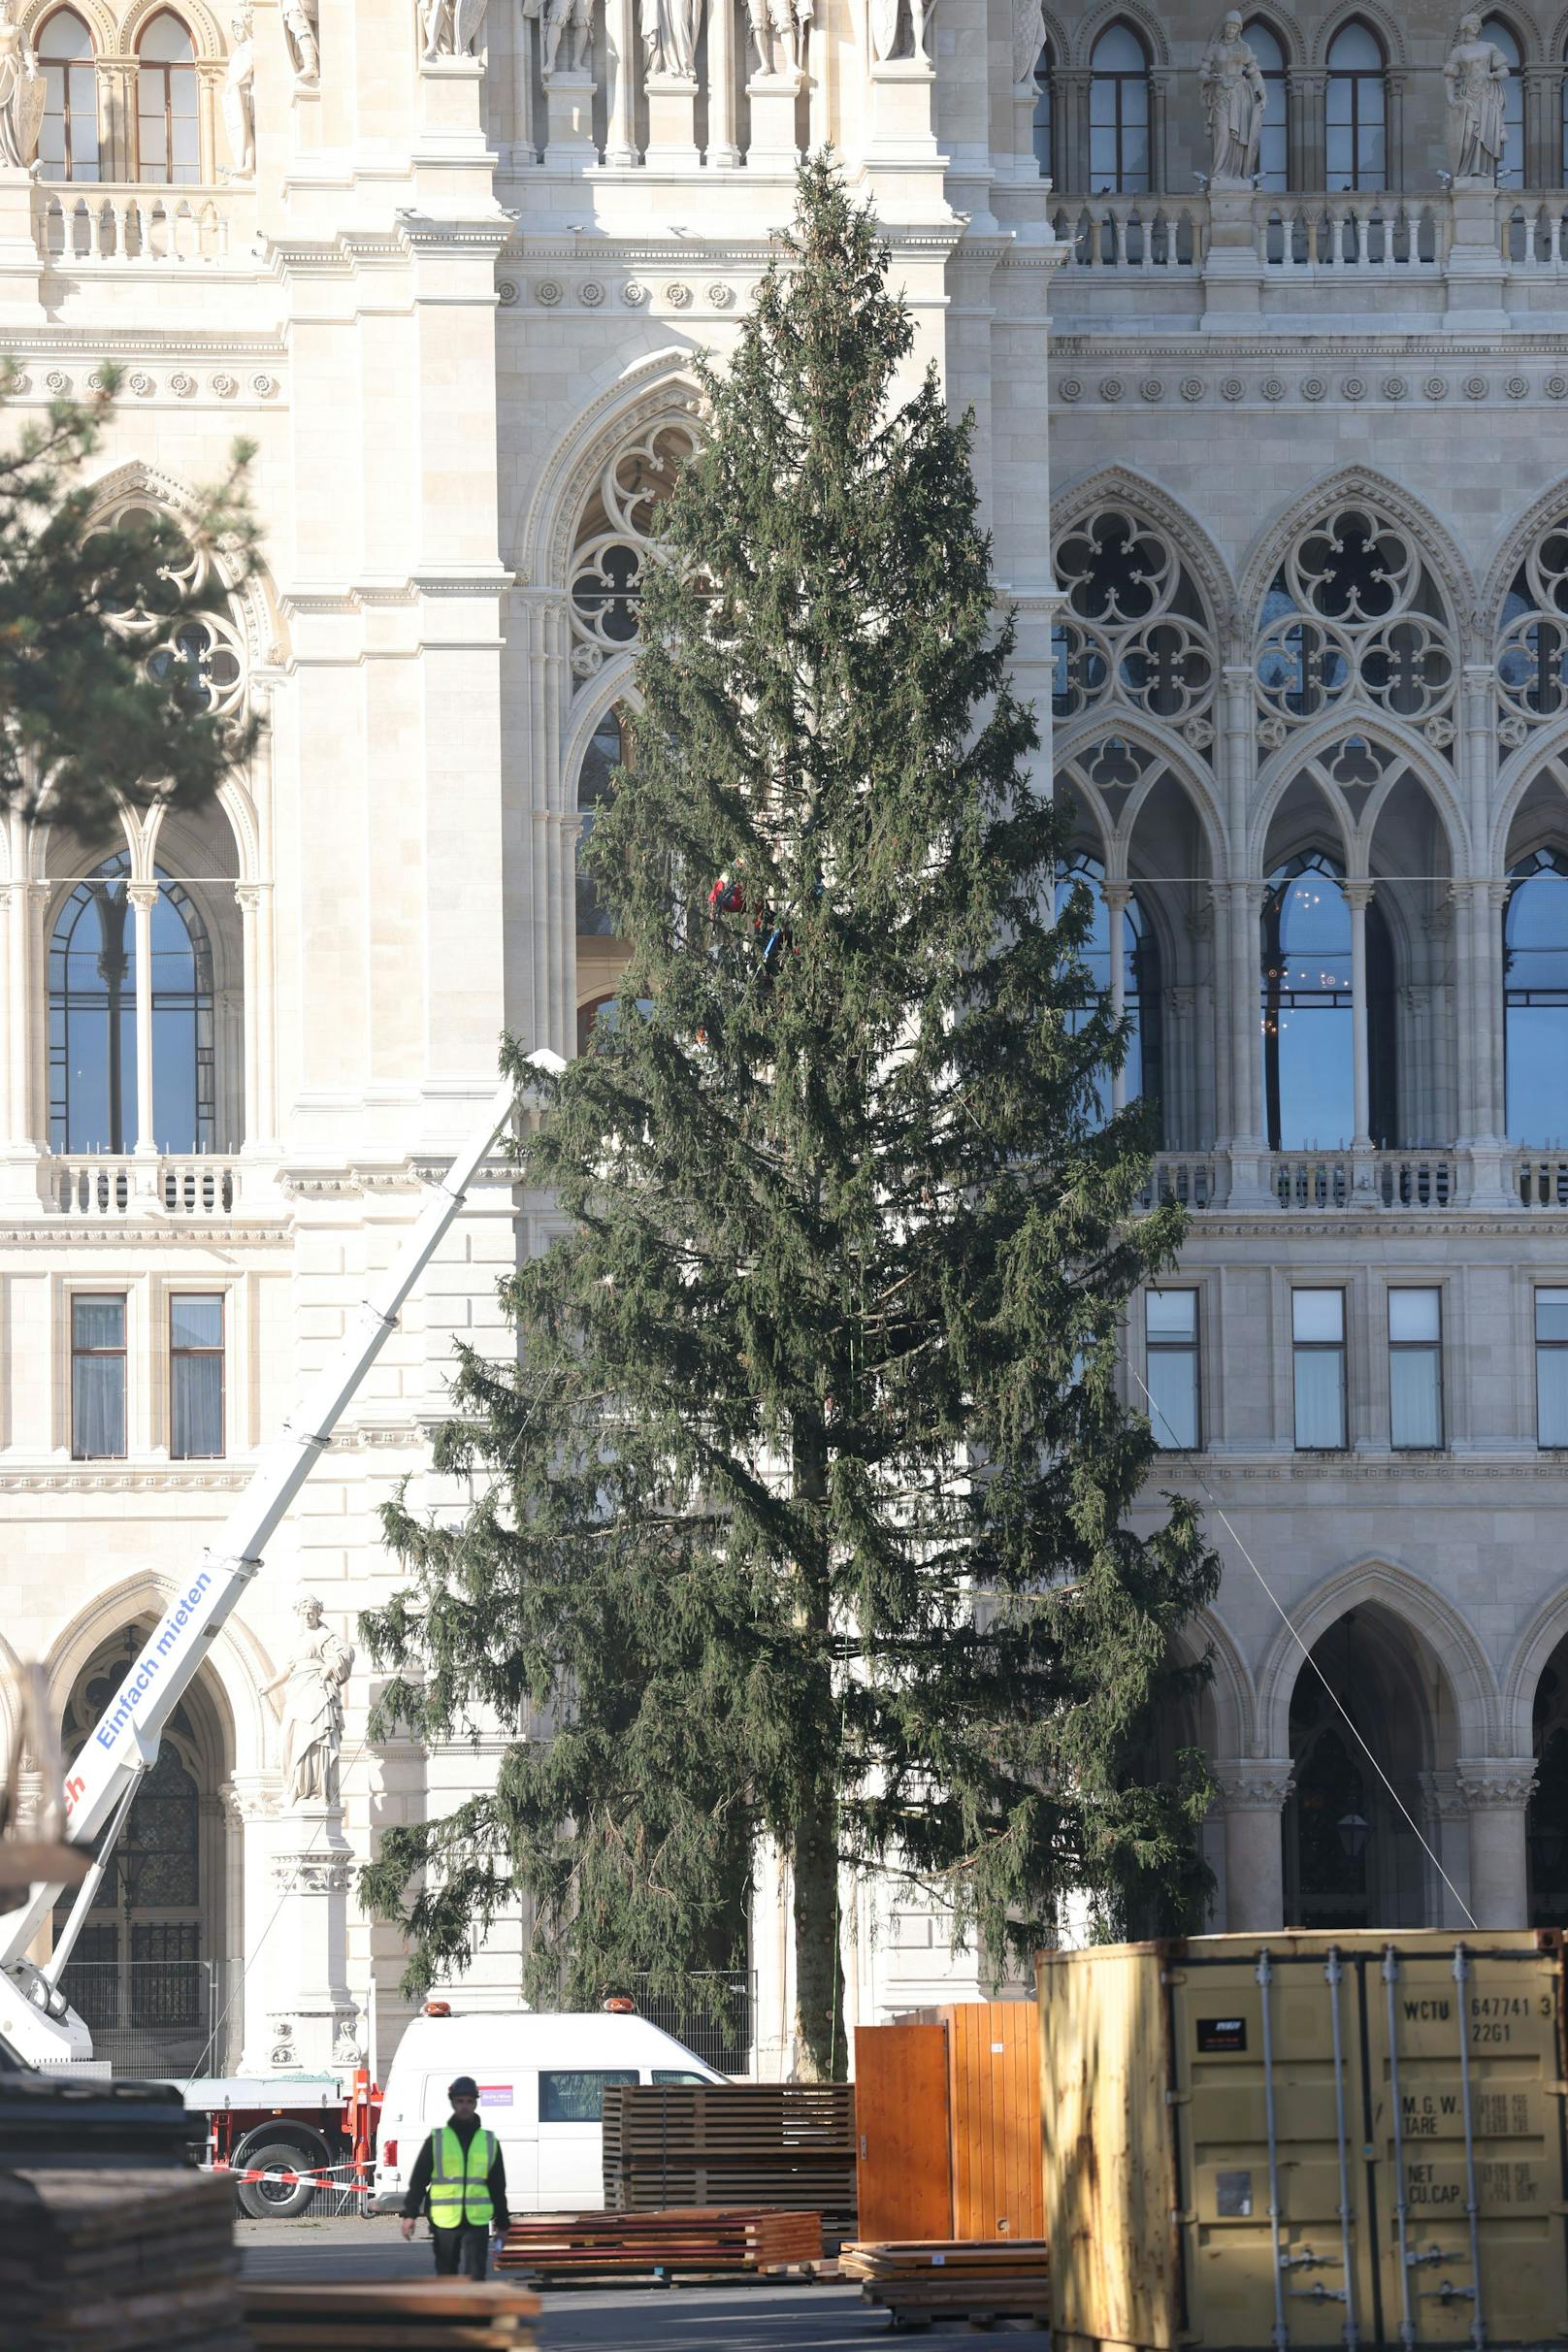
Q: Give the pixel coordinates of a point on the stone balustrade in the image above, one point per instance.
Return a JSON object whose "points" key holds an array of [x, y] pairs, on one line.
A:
{"points": [[110, 225], [110, 1185]]}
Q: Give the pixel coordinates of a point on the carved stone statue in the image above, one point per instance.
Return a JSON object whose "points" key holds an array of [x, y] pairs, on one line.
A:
{"points": [[312, 1712], [22, 93], [669, 29], [451, 28], [1029, 39], [239, 98], [304, 49], [1234, 101], [778, 33], [558, 20], [886, 20], [1476, 77]]}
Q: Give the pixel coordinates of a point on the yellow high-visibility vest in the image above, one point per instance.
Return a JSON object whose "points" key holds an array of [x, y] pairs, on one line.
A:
{"points": [[460, 2180]]}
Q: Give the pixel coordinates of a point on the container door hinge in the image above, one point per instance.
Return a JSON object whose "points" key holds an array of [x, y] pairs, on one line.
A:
{"points": [[1184, 2216], [1178, 2098]]}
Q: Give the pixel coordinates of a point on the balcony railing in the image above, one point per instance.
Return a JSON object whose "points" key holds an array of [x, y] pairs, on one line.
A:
{"points": [[1309, 1183], [110, 224], [111, 1185], [1312, 235]]}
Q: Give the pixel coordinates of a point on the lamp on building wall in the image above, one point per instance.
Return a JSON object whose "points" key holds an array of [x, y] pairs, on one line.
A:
{"points": [[1353, 1832]]}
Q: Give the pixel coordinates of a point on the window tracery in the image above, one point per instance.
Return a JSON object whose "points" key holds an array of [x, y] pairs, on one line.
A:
{"points": [[1532, 650], [610, 549], [1354, 612], [1136, 630], [207, 644]]}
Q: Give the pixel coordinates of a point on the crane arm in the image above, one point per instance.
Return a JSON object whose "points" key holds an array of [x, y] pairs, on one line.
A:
{"points": [[125, 1741]]}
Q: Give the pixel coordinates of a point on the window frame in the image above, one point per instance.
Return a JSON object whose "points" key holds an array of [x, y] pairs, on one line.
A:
{"points": [[1539, 1290], [1190, 1349], [1120, 78], [1043, 118], [1355, 76], [1273, 76], [164, 68], [178, 1352], [1417, 1346], [66, 67], [1339, 1348], [98, 1355]]}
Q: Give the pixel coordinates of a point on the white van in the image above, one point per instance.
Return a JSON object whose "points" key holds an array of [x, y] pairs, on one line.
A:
{"points": [[542, 2078]]}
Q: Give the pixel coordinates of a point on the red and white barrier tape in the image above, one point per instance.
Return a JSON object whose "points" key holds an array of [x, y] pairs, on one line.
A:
{"points": [[322, 2177]]}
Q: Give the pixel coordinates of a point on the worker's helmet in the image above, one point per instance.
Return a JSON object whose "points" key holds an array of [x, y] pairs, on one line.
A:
{"points": [[464, 2087]]}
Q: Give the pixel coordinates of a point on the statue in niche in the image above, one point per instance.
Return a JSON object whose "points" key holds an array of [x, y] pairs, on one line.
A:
{"points": [[559, 19], [886, 22], [669, 29], [1233, 100], [239, 98], [778, 33], [22, 93], [303, 47], [1029, 39], [311, 1714], [1477, 77], [451, 28]]}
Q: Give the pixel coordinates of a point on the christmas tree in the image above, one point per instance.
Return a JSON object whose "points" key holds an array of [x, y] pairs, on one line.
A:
{"points": [[802, 1517]]}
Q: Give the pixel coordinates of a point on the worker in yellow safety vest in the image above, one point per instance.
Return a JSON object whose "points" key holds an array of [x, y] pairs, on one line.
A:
{"points": [[459, 2179]]}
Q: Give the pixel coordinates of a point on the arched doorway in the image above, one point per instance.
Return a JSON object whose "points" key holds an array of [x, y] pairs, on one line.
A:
{"points": [[1353, 1858], [1547, 1822], [147, 1971]]}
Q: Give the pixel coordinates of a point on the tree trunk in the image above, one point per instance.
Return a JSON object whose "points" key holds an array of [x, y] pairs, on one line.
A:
{"points": [[821, 2052]]}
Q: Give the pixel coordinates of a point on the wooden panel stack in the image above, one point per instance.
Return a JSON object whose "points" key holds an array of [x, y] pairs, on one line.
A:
{"points": [[995, 2175], [693, 2243], [123, 2260], [779, 2144], [954, 2279], [419, 2315]]}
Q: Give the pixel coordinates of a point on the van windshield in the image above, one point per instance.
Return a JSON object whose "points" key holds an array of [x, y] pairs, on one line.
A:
{"points": [[576, 2094]]}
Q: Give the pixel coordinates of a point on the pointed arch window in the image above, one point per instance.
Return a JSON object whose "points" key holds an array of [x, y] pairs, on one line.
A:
{"points": [[610, 749], [1044, 113], [68, 135], [168, 131], [1141, 1072], [93, 983], [1119, 114], [1274, 144], [1511, 173], [1308, 1011], [1358, 109], [1535, 999]]}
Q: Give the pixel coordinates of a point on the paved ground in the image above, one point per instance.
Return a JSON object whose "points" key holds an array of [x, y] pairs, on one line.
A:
{"points": [[626, 2319]]}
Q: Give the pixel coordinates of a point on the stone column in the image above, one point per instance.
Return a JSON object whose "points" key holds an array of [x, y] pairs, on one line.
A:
{"points": [[1253, 1790], [1444, 1825], [1249, 1146], [1497, 1791], [621, 39], [1543, 126], [143, 897], [1159, 80], [1393, 81], [1359, 896], [723, 130], [1115, 896], [1304, 107]]}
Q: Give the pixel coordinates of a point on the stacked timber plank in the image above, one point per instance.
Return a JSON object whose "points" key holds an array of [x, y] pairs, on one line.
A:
{"points": [[127, 2259], [951, 2279], [702, 2242], [754, 2144], [420, 2316]]}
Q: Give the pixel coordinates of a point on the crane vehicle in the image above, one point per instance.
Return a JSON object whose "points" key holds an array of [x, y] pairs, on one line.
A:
{"points": [[36, 2019]]}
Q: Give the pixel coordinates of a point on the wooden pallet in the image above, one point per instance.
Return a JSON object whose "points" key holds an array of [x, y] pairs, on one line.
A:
{"points": [[786, 2145], [420, 2316], [701, 2241], [917, 2281], [117, 2259]]}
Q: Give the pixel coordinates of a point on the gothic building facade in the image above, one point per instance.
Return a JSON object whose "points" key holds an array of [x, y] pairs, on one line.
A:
{"points": [[1271, 470]]}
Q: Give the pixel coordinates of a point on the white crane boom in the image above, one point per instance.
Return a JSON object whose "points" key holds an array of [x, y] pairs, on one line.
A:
{"points": [[99, 1783]]}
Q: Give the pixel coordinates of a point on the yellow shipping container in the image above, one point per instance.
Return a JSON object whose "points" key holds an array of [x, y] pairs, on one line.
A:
{"points": [[1301, 2140]]}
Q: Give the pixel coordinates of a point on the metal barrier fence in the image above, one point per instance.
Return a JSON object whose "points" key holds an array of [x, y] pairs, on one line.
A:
{"points": [[152, 2017], [713, 2018]]}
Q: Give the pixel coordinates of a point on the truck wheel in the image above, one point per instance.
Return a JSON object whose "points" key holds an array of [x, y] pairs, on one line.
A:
{"points": [[276, 2200]]}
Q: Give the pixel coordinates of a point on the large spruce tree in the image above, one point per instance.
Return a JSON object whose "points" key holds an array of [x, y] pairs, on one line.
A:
{"points": [[802, 1516]]}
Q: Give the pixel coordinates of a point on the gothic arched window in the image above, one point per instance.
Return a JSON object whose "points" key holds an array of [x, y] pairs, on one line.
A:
{"points": [[1353, 609], [1274, 145], [1043, 112], [1532, 653], [609, 748], [168, 127], [68, 136], [1358, 109], [1535, 999], [1136, 628], [1119, 114], [1511, 173], [1308, 1015], [1140, 978], [611, 544], [92, 1019]]}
